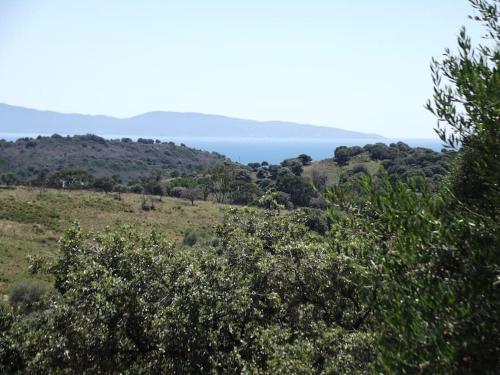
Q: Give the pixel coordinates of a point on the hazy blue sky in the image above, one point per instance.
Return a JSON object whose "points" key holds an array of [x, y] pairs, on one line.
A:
{"points": [[359, 65]]}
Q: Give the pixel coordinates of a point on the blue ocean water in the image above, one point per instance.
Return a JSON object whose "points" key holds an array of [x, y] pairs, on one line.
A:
{"points": [[246, 150], [275, 150]]}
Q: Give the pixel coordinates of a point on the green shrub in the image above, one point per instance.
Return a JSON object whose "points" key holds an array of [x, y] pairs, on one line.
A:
{"points": [[27, 295], [190, 238], [267, 297], [315, 219]]}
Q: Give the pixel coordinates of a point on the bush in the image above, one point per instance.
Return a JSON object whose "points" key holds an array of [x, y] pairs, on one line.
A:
{"points": [[343, 154], [254, 166], [244, 193], [273, 171], [358, 169], [26, 295], [318, 202], [177, 191], [147, 204], [275, 200], [190, 238], [300, 189], [305, 159], [120, 189], [265, 183], [243, 175], [316, 220], [294, 165], [9, 179], [262, 172], [136, 188], [268, 298], [146, 141]]}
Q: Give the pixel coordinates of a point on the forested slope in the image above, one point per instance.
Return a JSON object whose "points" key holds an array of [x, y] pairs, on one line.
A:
{"points": [[26, 157]]}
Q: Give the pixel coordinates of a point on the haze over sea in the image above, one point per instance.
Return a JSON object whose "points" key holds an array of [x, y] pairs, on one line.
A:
{"points": [[272, 150]]}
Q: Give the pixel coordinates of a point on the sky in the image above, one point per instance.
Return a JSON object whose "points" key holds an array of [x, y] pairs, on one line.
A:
{"points": [[359, 65]]}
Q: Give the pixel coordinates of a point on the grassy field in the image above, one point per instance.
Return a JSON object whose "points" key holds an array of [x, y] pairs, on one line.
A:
{"points": [[328, 168], [32, 225]]}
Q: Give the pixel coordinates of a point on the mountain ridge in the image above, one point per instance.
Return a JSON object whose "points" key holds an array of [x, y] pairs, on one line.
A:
{"points": [[17, 119]]}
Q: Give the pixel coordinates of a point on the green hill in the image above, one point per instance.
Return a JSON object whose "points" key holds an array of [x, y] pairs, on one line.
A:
{"points": [[125, 158]]}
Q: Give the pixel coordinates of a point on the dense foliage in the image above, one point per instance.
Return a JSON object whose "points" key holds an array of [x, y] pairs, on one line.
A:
{"points": [[401, 161], [269, 296], [440, 271], [399, 275], [26, 157]]}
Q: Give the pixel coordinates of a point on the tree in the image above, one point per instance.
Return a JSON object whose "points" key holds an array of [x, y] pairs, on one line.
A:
{"points": [[155, 188], [295, 166], [466, 104], [244, 193], [380, 151], [191, 194], [262, 172], [273, 171], [9, 179], [341, 155], [41, 180], [177, 191], [120, 189], [152, 184], [305, 159], [71, 178], [300, 189], [146, 141], [222, 177], [104, 183], [205, 185], [439, 295], [267, 297], [136, 188]]}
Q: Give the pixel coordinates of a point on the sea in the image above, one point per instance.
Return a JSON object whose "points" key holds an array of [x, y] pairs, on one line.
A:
{"points": [[272, 150]]}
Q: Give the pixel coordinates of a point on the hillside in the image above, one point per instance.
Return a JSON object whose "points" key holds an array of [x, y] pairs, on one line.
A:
{"points": [[32, 225], [161, 124], [125, 158]]}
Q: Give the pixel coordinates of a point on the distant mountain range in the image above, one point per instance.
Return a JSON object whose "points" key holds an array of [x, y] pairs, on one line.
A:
{"points": [[15, 119]]}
